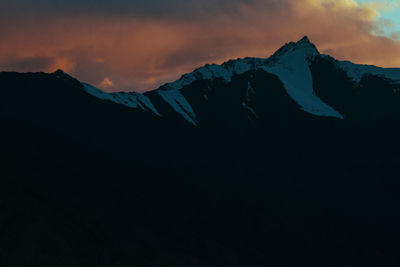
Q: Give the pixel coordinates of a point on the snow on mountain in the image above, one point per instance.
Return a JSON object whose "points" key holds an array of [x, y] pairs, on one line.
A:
{"points": [[171, 92], [131, 99], [179, 103], [210, 72], [355, 71], [293, 70], [249, 91], [289, 63]]}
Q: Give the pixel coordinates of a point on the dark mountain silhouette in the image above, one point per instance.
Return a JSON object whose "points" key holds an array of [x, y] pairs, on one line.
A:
{"points": [[285, 161]]}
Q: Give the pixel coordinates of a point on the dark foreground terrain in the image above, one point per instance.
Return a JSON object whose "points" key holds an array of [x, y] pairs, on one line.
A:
{"points": [[87, 182]]}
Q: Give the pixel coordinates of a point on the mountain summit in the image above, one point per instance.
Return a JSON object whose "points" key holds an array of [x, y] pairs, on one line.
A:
{"points": [[304, 44]]}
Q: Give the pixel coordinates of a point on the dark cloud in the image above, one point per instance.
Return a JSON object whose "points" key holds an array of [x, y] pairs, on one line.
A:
{"points": [[160, 8], [39, 63]]}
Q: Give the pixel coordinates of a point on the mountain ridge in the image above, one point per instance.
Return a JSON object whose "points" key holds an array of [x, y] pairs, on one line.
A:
{"points": [[303, 51], [291, 64]]}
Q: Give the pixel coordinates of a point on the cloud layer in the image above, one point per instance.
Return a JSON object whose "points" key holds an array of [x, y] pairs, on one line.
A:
{"points": [[138, 45]]}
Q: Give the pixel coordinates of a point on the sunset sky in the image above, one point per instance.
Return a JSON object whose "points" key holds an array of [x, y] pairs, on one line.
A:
{"points": [[136, 45]]}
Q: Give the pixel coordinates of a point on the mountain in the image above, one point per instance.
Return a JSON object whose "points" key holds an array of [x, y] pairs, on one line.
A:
{"points": [[297, 66], [286, 161]]}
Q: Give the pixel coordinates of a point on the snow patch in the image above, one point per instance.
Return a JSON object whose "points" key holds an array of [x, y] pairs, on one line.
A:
{"points": [[171, 91], [179, 103], [132, 99], [294, 72], [356, 72], [249, 91], [210, 72]]}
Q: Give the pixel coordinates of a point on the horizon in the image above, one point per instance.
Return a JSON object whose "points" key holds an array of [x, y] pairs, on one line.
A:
{"points": [[212, 63], [135, 46]]}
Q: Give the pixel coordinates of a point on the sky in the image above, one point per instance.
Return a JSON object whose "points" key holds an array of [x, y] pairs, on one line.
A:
{"points": [[134, 45], [389, 16]]}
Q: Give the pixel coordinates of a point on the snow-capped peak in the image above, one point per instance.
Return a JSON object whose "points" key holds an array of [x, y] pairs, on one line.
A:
{"points": [[289, 63], [304, 45], [239, 66]]}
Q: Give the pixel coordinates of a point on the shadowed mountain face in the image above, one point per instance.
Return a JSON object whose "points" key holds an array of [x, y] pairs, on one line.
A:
{"points": [[285, 161]]}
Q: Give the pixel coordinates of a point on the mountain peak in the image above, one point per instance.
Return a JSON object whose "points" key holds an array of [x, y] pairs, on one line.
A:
{"points": [[304, 44], [59, 72], [304, 40]]}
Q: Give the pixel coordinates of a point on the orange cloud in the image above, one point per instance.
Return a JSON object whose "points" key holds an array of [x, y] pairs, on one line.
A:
{"points": [[141, 53], [106, 83]]}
